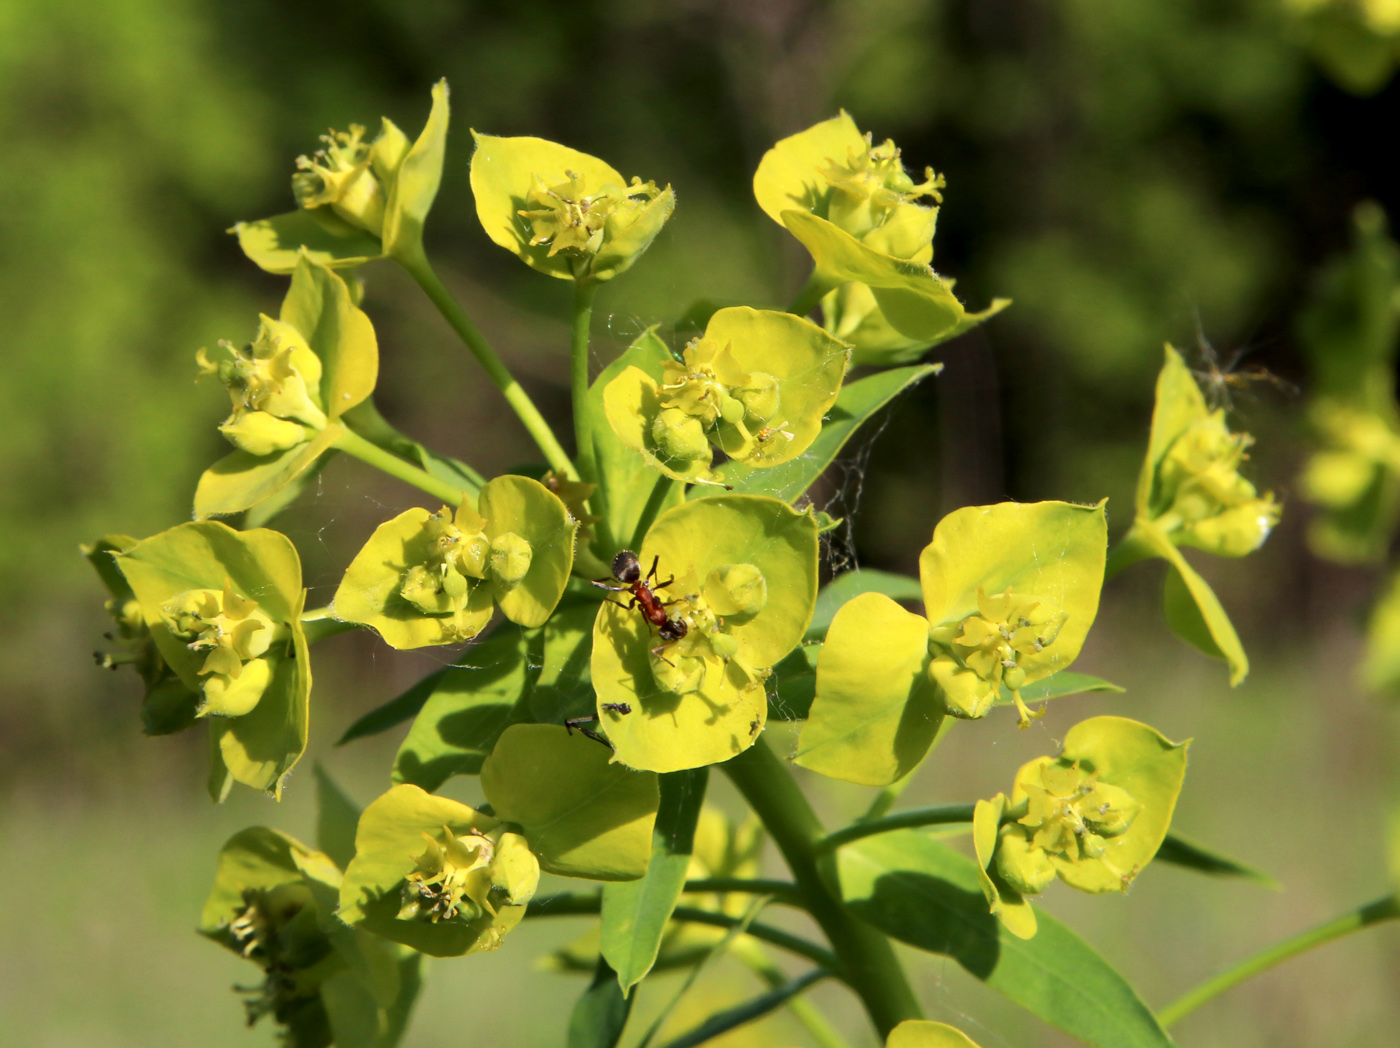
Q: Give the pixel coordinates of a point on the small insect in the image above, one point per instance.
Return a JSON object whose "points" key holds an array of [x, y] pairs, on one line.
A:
{"points": [[753, 728], [1218, 381], [628, 571], [574, 724], [617, 707]]}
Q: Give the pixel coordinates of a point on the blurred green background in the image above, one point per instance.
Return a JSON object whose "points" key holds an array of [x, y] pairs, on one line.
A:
{"points": [[1123, 171]]}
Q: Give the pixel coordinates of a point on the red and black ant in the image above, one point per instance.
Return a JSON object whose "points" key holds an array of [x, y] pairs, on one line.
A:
{"points": [[628, 571]]}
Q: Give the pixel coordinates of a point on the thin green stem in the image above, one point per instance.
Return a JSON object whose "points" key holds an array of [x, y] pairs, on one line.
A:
{"points": [[352, 443], [364, 418], [659, 493], [751, 955], [867, 961], [809, 297], [1127, 551], [782, 891], [578, 376], [1386, 909], [422, 271], [573, 904], [904, 820], [320, 623]]}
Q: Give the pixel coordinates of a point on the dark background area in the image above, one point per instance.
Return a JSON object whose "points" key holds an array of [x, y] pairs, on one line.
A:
{"points": [[1128, 174]]}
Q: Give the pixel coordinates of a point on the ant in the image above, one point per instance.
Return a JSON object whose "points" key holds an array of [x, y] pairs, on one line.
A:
{"points": [[628, 571], [617, 707]]}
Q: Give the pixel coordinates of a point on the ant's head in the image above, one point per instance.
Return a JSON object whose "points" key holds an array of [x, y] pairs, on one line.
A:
{"points": [[625, 567]]}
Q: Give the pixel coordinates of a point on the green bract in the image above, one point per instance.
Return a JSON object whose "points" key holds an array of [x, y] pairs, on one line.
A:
{"points": [[1010, 592], [428, 873], [289, 389], [1094, 816], [582, 815], [168, 705], [223, 608], [273, 903], [756, 385], [564, 213], [701, 700], [358, 200], [921, 1033], [857, 211], [1190, 493], [433, 578]]}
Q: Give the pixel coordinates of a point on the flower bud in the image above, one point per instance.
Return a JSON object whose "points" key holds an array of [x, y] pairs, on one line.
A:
{"points": [[679, 437], [472, 554], [234, 634], [510, 557], [1026, 868], [678, 674], [736, 589]]}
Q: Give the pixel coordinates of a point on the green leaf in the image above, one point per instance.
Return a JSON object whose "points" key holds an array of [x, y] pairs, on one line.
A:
{"points": [[1193, 610], [852, 584], [416, 182], [852, 314], [471, 704], [394, 712], [755, 1008], [1180, 852], [876, 711], [600, 1014], [582, 815], [239, 481], [635, 913], [794, 683], [923, 893], [1057, 686], [336, 818], [276, 243], [251, 859], [319, 306], [855, 404], [623, 477]]}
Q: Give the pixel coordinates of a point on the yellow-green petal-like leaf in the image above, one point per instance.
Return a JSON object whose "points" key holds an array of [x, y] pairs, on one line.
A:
{"points": [[852, 315], [1050, 551], [921, 1033], [704, 534], [665, 732], [1007, 904], [503, 173], [915, 300], [876, 712], [790, 174], [319, 306], [1136, 758], [387, 843], [370, 591], [416, 183], [525, 507], [1193, 610], [1178, 406], [582, 815], [239, 481], [624, 245], [276, 244], [808, 363], [631, 404]]}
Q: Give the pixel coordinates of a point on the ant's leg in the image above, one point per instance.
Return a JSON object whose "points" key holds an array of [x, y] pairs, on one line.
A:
{"points": [[579, 722], [654, 562], [659, 649], [606, 584]]}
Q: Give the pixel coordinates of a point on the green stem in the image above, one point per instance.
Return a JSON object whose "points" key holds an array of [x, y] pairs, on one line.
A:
{"points": [[659, 493], [951, 813], [782, 891], [573, 904], [1385, 909], [352, 443], [809, 297], [320, 623], [751, 955], [364, 418], [866, 959], [578, 377], [1126, 552], [422, 271]]}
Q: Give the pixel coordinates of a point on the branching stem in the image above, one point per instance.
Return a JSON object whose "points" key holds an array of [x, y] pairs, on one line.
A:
{"points": [[422, 271], [904, 820], [865, 958], [1386, 909], [352, 443]]}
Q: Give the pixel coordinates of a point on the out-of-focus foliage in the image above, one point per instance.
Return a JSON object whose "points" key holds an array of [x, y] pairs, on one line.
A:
{"points": [[1356, 41]]}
